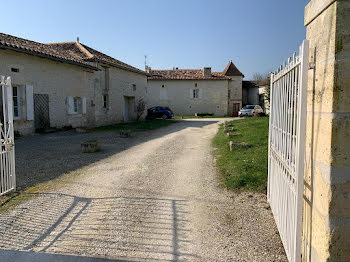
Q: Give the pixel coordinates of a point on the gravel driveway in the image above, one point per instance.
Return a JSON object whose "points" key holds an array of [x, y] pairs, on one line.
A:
{"points": [[153, 197]]}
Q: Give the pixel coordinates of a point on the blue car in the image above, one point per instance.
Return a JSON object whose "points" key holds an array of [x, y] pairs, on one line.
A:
{"points": [[159, 112]]}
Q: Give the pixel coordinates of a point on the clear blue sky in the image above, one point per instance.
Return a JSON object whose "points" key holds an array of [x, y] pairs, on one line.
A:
{"points": [[256, 34]]}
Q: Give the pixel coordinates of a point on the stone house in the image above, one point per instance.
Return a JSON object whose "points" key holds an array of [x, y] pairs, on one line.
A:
{"points": [[68, 84], [190, 91]]}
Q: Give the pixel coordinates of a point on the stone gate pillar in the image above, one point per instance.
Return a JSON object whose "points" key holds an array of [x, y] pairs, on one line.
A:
{"points": [[326, 219]]}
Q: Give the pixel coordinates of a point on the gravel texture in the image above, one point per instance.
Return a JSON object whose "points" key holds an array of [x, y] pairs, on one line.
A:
{"points": [[152, 197]]}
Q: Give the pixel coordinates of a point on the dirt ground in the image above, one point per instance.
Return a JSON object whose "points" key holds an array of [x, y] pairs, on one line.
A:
{"points": [[153, 197]]}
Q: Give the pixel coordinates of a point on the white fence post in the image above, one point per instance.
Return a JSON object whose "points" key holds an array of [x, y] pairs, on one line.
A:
{"points": [[7, 151]]}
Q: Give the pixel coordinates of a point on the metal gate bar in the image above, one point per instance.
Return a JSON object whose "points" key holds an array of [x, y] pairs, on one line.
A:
{"points": [[287, 149], [7, 150]]}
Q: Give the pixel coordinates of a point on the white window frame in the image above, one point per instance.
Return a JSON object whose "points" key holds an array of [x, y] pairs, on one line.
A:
{"points": [[77, 105], [18, 98], [196, 92]]}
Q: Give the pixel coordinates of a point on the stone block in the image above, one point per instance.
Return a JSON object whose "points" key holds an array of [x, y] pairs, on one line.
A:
{"points": [[90, 146], [318, 137], [340, 242], [234, 145], [229, 134], [125, 133], [320, 236], [341, 140], [340, 202]]}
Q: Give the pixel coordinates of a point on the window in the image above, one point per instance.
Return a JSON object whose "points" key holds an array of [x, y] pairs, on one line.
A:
{"points": [[163, 93], [15, 70], [229, 93], [134, 87], [16, 102], [195, 93], [105, 101], [195, 85], [77, 105]]}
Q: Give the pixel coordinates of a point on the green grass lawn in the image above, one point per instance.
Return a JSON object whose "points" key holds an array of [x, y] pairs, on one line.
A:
{"points": [[136, 126], [244, 168]]}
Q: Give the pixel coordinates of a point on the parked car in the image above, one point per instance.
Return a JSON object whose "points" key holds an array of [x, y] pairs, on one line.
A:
{"points": [[250, 110], [159, 112]]}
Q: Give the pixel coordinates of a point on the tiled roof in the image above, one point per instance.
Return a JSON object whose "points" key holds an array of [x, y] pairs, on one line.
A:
{"points": [[42, 50], [232, 70], [185, 74], [112, 61], [71, 52]]}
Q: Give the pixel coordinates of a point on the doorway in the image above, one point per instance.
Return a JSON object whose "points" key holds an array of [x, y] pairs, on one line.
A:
{"points": [[41, 112], [129, 108], [236, 108]]}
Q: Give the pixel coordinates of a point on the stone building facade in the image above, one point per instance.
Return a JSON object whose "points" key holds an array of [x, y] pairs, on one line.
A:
{"points": [[326, 214], [190, 91], [68, 85]]}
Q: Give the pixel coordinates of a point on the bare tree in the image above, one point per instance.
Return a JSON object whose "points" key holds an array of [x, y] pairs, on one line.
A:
{"points": [[258, 77]]}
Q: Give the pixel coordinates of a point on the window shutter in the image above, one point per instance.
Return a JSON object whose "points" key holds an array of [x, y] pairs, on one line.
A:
{"points": [[191, 93], [70, 105], [84, 105], [30, 102], [9, 97]]}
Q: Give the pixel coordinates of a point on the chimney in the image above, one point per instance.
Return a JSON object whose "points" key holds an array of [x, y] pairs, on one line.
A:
{"points": [[78, 39], [148, 69], [207, 71]]}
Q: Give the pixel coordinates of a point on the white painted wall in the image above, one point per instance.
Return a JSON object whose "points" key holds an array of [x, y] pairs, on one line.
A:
{"points": [[213, 96], [62, 80], [58, 80], [120, 85]]}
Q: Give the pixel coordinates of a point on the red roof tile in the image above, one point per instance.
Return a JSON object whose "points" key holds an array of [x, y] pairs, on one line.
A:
{"points": [[71, 52], [185, 74], [232, 70], [42, 50]]}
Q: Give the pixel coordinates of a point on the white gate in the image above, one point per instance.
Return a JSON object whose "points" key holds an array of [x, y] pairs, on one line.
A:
{"points": [[7, 150], [287, 149]]}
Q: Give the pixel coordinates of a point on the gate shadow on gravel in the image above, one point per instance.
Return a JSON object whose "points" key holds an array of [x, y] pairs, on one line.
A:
{"points": [[40, 158], [118, 228]]}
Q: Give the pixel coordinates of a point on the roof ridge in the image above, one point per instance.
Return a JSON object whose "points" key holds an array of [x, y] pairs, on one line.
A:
{"points": [[60, 43], [114, 62], [84, 50]]}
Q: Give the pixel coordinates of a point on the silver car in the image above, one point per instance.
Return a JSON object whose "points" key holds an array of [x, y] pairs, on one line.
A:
{"points": [[250, 110]]}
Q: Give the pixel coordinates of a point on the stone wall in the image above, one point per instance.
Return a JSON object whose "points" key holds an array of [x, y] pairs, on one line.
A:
{"points": [[60, 80], [121, 84], [235, 87], [56, 79], [326, 216]]}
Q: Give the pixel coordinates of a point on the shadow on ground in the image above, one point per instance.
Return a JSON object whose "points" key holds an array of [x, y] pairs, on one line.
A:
{"points": [[40, 158], [118, 228]]}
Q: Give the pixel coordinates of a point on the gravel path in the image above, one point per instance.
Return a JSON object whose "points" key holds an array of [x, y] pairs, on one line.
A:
{"points": [[154, 197]]}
